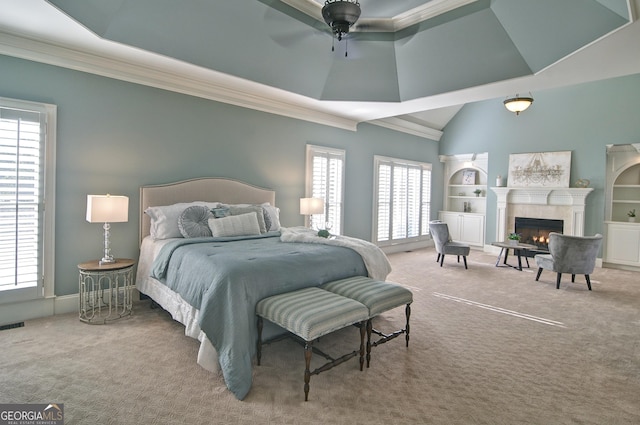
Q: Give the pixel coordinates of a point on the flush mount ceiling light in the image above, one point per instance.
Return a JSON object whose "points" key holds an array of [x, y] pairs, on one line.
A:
{"points": [[340, 15], [518, 103]]}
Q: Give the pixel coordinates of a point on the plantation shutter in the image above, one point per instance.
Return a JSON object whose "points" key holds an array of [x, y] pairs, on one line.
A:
{"points": [[403, 199], [327, 183], [21, 192]]}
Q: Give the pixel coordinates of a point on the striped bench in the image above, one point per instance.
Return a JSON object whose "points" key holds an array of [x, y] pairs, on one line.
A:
{"points": [[378, 297], [309, 314]]}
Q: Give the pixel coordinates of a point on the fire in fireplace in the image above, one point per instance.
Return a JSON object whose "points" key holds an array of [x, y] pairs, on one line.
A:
{"points": [[535, 231]]}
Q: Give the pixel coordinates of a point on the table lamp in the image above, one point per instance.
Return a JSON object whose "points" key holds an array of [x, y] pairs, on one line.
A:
{"points": [[310, 206], [107, 209]]}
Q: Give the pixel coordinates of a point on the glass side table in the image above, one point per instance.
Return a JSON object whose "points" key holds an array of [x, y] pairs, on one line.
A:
{"points": [[106, 290]]}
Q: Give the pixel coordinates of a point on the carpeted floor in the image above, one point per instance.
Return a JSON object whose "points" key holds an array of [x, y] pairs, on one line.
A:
{"points": [[488, 346]]}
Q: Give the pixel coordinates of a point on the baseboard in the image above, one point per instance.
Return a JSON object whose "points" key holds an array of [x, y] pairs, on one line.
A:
{"points": [[26, 310], [405, 247], [44, 307]]}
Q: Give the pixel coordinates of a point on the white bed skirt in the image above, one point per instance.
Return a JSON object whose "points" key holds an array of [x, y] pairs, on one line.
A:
{"points": [[170, 301]]}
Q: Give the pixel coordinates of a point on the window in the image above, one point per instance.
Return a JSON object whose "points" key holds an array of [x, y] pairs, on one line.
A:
{"points": [[27, 141], [325, 171], [402, 200]]}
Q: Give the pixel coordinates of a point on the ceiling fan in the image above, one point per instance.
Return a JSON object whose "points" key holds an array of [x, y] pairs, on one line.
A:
{"points": [[340, 15], [342, 19]]}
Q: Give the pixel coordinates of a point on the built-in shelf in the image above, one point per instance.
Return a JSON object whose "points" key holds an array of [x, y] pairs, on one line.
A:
{"points": [[464, 212], [622, 195]]}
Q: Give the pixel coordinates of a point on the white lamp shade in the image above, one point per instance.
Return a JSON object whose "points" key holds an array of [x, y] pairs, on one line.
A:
{"points": [[107, 209], [309, 206]]}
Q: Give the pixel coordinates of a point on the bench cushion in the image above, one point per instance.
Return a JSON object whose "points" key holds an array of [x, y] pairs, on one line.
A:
{"points": [[377, 295], [312, 312]]}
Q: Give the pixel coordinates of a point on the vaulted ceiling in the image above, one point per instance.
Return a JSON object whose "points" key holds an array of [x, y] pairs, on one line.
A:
{"points": [[410, 66]]}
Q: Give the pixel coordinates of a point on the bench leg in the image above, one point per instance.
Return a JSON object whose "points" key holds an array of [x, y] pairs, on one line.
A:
{"points": [[369, 327], [407, 312], [362, 332], [308, 350], [259, 343]]}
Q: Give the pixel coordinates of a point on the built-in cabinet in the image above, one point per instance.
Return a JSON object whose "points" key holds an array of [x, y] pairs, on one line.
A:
{"points": [[465, 200], [467, 227], [623, 244], [622, 197]]}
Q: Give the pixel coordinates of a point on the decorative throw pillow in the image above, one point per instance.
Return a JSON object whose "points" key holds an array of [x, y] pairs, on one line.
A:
{"points": [[194, 222], [271, 217], [238, 210], [220, 212], [164, 218], [235, 225]]}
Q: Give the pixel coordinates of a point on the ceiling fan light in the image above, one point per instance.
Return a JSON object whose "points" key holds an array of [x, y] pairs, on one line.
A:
{"points": [[340, 15], [518, 104]]}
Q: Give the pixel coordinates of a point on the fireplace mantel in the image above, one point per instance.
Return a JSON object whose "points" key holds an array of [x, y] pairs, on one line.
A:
{"points": [[569, 199]]}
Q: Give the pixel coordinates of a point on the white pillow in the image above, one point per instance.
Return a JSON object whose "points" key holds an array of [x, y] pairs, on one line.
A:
{"points": [[235, 225], [164, 218]]}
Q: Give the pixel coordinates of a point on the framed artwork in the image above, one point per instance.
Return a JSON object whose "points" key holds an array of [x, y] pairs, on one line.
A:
{"points": [[468, 177], [540, 169]]}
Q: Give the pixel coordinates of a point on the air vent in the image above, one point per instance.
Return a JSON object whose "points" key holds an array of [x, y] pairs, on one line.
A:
{"points": [[11, 326]]}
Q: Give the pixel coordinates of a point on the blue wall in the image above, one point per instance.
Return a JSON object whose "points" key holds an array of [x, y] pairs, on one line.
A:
{"points": [[115, 136], [582, 118]]}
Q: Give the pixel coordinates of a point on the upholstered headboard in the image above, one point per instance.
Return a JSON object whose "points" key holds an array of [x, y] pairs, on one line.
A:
{"points": [[209, 189]]}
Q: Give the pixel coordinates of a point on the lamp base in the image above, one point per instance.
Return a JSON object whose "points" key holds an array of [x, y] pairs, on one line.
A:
{"points": [[107, 260]]}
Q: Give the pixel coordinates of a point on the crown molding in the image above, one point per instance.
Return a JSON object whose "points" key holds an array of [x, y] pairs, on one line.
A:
{"points": [[181, 77], [404, 126], [177, 77]]}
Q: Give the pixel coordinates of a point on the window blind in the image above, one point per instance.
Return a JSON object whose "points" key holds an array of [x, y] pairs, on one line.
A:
{"points": [[403, 199], [21, 191], [327, 167]]}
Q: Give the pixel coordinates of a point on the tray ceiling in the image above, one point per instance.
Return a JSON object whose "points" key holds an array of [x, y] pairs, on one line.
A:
{"points": [[411, 64]]}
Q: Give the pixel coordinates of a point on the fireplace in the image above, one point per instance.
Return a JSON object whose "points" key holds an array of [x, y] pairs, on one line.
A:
{"points": [[565, 204], [535, 231]]}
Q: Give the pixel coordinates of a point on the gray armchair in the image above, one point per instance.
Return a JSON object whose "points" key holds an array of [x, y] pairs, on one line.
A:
{"points": [[570, 254], [444, 245]]}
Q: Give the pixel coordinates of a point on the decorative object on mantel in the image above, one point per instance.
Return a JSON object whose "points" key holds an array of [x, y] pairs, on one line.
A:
{"points": [[518, 103], [513, 238], [582, 183], [499, 181], [632, 215], [539, 169]]}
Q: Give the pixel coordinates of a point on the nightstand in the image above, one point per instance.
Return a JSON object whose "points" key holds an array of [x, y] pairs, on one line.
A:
{"points": [[106, 290]]}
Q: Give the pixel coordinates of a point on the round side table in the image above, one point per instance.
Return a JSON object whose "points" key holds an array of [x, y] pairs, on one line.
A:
{"points": [[106, 290]]}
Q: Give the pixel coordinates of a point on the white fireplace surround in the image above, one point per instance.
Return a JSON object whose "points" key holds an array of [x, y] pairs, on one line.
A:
{"points": [[558, 203]]}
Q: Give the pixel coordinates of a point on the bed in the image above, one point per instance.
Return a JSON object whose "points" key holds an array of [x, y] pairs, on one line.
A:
{"points": [[211, 283]]}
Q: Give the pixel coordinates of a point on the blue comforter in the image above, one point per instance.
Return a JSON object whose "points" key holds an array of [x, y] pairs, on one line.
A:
{"points": [[225, 277]]}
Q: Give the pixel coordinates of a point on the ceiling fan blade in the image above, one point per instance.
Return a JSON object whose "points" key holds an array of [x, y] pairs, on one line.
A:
{"points": [[287, 26]]}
